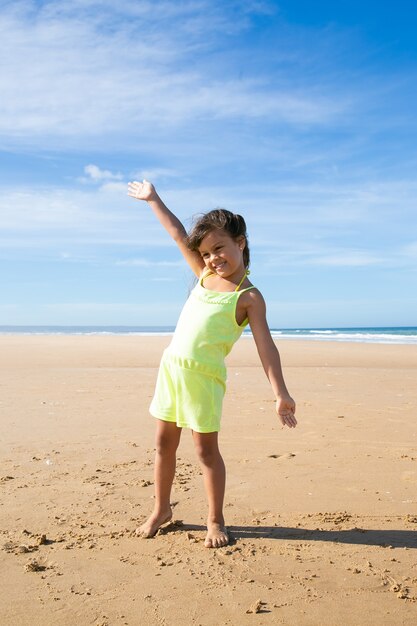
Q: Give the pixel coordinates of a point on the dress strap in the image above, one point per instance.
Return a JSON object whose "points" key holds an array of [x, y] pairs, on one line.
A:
{"points": [[204, 275], [247, 272]]}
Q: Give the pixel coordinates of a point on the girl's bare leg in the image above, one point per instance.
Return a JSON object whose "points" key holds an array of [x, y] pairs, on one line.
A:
{"points": [[166, 442], [214, 473]]}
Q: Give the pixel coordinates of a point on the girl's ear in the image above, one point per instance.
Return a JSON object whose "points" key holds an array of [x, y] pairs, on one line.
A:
{"points": [[241, 241]]}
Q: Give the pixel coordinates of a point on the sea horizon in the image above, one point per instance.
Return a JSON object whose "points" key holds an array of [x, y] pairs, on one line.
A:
{"points": [[361, 334]]}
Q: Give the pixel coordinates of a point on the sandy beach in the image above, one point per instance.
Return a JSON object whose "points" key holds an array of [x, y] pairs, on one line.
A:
{"points": [[323, 518]]}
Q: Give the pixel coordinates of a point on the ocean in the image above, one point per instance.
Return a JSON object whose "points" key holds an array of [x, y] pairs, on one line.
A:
{"points": [[386, 335]]}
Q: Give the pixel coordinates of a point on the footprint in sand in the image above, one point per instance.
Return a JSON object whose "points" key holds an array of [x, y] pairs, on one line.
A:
{"points": [[286, 455]]}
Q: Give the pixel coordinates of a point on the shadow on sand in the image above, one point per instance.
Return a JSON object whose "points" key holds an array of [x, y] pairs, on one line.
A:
{"points": [[359, 536]]}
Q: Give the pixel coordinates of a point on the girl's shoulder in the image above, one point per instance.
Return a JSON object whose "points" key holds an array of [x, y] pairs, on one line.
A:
{"points": [[251, 296], [251, 305]]}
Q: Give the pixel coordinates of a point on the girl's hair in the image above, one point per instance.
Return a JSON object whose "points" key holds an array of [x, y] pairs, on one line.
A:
{"points": [[219, 219]]}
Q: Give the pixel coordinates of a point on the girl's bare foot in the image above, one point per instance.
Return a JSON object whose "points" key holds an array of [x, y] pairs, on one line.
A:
{"points": [[217, 536], [149, 528]]}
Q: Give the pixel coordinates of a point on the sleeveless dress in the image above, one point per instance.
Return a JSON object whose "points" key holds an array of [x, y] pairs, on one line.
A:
{"points": [[192, 374]]}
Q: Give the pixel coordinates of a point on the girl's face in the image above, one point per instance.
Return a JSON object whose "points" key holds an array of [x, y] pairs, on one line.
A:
{"points": [[222, 254]]}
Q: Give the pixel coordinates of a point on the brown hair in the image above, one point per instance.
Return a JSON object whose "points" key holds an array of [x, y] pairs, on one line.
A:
{"points": [[219, 219]]}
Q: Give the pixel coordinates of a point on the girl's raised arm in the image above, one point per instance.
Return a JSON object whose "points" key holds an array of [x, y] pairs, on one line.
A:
{"points": [[146, 191]]}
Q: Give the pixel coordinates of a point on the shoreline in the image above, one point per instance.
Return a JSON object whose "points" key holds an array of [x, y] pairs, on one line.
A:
{"points": [[400, 335]]}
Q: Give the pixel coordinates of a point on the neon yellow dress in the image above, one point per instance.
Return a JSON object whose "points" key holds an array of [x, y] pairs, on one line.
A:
{"points": [[192, 375]]}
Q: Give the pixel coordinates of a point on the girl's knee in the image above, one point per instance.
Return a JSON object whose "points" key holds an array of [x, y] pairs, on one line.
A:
{"points": [[165, 444], [207, 450], [167, 438]]}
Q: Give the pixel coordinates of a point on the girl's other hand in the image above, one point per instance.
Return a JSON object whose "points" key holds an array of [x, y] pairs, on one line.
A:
{"points": [[141, 191], [285, 407]]}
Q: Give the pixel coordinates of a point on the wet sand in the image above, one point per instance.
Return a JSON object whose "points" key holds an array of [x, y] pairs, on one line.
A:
{"points": [[323, 518]]}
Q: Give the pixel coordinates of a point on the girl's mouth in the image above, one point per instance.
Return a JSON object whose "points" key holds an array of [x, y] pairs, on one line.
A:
{"points": [[220, 266]]}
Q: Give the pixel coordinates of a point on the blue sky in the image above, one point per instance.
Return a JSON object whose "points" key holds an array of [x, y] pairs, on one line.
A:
{"points": [[299, 115]]}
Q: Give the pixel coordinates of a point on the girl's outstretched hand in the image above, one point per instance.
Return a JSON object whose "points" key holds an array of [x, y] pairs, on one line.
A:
{"points": [[285, 407], [141, 191]]}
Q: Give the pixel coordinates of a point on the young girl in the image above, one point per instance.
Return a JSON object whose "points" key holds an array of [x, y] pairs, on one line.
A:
{"points": [[191, 379]]}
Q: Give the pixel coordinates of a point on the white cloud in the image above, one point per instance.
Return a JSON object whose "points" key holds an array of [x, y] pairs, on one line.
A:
{"points": [[44, 219], [295, 228], [100, 69], [302, 254], [142, 262], [97, 174]]}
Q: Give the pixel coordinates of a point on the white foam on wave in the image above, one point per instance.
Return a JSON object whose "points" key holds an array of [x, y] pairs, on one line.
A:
{"points": [[343, 336], [356, 337]]}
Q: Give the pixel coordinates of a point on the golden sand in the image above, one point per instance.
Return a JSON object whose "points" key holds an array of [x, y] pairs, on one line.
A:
{"points": [[323, 518]]}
